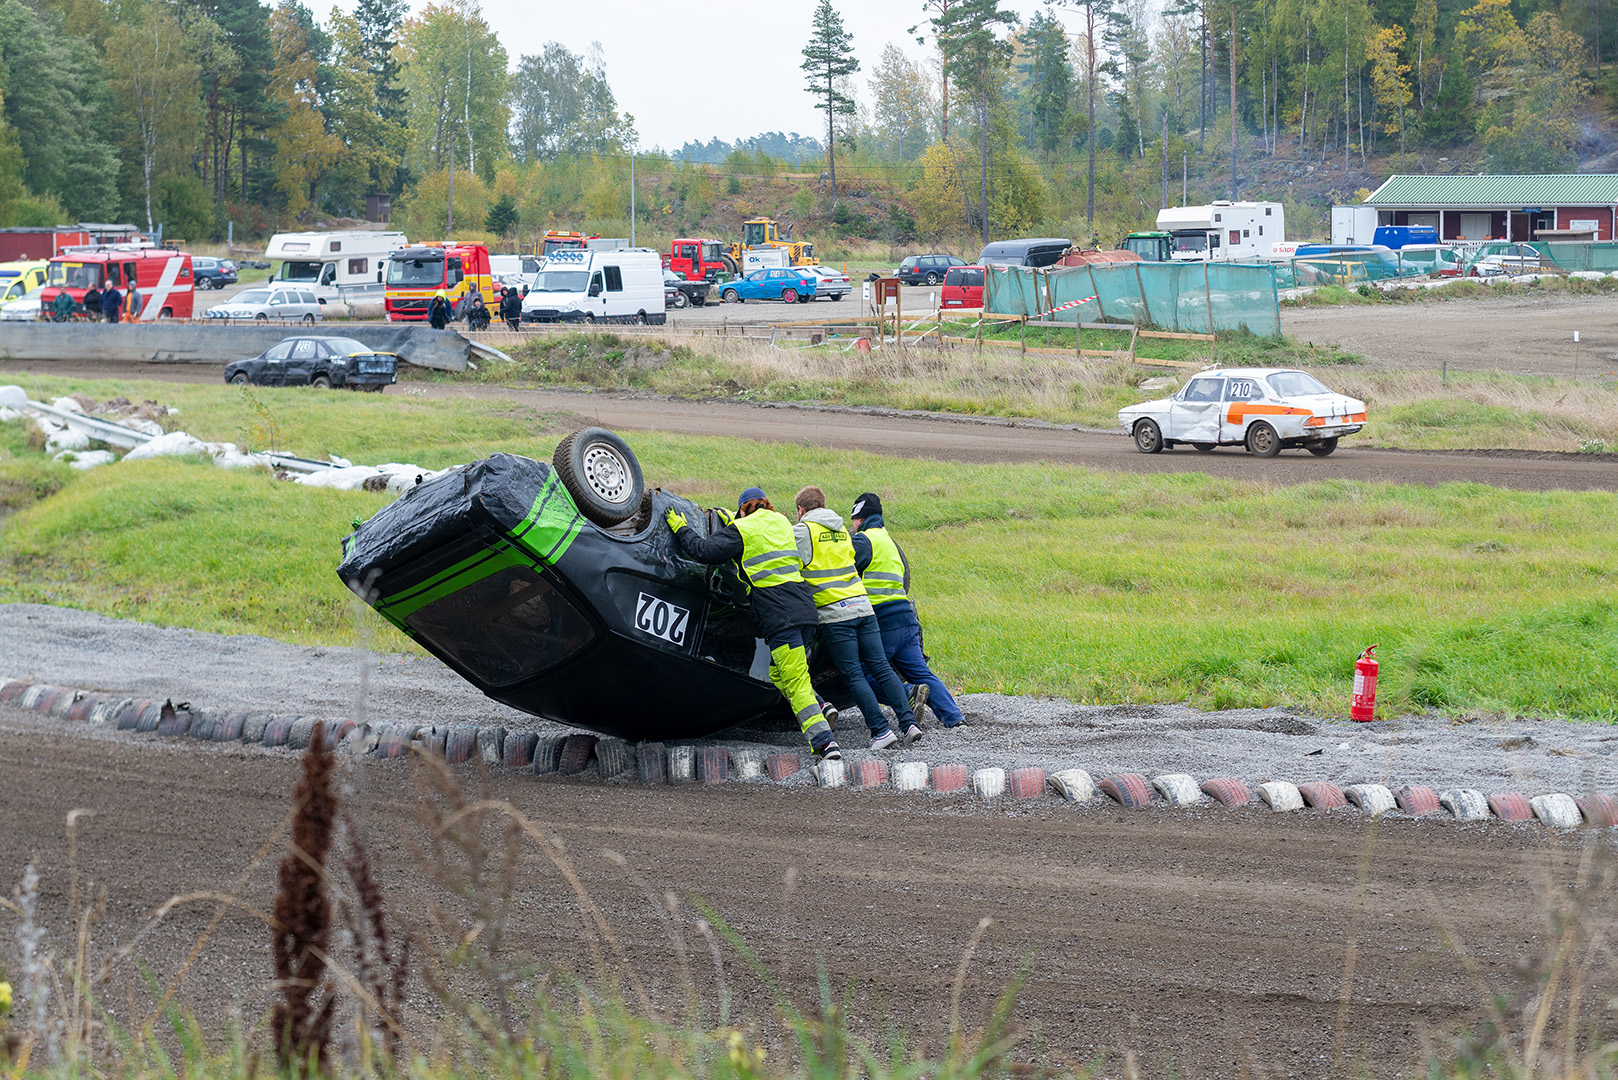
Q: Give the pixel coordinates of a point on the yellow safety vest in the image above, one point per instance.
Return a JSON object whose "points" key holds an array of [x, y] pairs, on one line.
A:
{"points": [[885, 577], [831, 571], [769, 549]]}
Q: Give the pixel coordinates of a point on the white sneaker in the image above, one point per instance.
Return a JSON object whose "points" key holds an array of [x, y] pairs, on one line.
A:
{"points": [[912, 734], [884, 740]]}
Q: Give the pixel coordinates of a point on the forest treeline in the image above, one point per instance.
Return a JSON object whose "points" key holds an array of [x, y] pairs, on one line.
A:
{"points": [[197, 113]]}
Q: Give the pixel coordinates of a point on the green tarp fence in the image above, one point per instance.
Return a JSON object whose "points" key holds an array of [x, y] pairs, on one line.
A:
{"points": [[1185, 297]]}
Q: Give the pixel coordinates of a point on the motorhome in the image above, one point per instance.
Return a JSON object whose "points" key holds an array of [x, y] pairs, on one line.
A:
{"points": [[1223, 231], [338, 266], [578, 285]]}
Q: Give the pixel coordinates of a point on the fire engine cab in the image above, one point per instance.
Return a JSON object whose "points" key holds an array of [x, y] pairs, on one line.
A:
{"points": [[418, 273], [161, 277]]}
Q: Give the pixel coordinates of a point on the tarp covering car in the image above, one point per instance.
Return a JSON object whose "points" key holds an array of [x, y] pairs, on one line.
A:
{"points": [[495, 569]]}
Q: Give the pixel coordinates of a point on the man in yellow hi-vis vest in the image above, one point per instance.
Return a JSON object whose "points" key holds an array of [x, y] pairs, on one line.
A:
{"points": [[848, 626], [886, 573], [761, 540]]}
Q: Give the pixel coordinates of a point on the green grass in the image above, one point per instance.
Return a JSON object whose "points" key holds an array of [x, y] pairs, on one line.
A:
{"points": [[1032, 579]]}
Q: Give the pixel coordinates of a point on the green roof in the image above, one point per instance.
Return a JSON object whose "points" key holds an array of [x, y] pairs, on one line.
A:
{"points": [[1510, 192]]}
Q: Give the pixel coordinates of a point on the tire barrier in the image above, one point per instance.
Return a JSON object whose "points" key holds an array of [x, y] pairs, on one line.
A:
{"points": [[614, 757], [748, 761], [548, 754], [869, 772], [1600, 811], [1027, 783], [713, 764], [989, 783], [1416, 801], [491, 742], [780, 766], [1511, 806], [461, 744], [1129, 790], [1322, 796], [1280, 796], [1557, 810], [1227, 791], [682, 764], [1373, 799], [1074, 785], [1178, 789], [910, 775], [517, 752], [652, 763]]}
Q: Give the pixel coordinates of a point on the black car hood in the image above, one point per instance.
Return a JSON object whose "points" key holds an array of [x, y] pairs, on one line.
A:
{"points": [[492, 568]]}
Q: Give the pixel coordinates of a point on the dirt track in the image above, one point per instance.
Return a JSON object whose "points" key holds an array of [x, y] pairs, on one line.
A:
{"points": [[970, 440], [1206, 943], [1531, 335]]}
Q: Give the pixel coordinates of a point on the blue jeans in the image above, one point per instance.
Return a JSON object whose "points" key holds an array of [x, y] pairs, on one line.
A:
{"points": [[901, 645], [855, 647]]}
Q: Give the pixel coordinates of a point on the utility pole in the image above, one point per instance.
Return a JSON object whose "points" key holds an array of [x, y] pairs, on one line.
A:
{"points": [[449, 227], [1165, 201], [632, 198]]}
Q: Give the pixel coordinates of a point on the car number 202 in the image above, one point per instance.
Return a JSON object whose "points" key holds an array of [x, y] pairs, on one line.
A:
{"points": [[661, 619]]}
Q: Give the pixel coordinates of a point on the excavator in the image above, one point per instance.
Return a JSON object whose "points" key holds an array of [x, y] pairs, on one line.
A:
{"points": [[764, 233]]}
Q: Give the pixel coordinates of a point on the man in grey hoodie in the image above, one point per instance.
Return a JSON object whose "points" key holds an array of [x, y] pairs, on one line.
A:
{"points": [[848, 626]]}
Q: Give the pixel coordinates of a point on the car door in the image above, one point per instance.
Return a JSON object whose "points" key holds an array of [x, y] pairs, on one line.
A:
{"points": [[1240, 392], [279, 306], [300, 365], [1194, 416], [273, 372]]}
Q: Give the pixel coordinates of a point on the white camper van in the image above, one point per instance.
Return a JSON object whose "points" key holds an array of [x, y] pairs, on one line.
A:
{"points": [[336, 265], [576, 285], [1223, 231]]}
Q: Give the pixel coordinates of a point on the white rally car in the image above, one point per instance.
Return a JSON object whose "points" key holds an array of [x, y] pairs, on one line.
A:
{"points": [[1265, 409]]}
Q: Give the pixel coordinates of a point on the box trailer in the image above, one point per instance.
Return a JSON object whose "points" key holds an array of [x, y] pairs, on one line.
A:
{"points": [[1353, 225], [1223, 231]]}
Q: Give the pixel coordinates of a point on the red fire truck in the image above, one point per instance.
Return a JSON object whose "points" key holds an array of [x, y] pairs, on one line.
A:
{"points": [[420, 272], [162, 277]]}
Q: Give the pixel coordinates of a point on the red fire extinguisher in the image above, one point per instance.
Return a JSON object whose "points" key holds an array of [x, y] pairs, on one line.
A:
{"points": [[1363, 705]]}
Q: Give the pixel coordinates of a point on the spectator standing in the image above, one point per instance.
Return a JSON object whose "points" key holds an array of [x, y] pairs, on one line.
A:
{"points": [[111, 302], [438, 311], [132, 302], [62, 305], [92, 302]]}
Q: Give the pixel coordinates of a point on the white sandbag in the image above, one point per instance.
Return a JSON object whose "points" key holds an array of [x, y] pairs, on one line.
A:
{"points": [[14, 397], [87, 459], [174, 444], [67, 404], [62, 438], [351, 478]]}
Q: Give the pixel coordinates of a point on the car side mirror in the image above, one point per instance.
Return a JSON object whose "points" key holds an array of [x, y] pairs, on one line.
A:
{"points": [[595, 289]]}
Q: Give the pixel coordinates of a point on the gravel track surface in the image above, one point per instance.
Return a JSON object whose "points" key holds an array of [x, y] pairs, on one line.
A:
{"points": [[73, 648]]}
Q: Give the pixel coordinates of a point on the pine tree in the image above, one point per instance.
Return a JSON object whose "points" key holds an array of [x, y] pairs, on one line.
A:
{"points": [[829, 56], [502, 219]]}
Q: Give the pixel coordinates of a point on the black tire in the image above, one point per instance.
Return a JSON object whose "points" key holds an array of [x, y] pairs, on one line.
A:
{"points": [[1204, 447], [590, 317], [680, 299], [239, 379], [602, 474], [1262, 441], [932, 279], [730, 264], [1148, 437], [731, 296], [261, 317], [700, 301], [1323, 448], [640, 318], [321, 382], [308, 320], [166, 313]]}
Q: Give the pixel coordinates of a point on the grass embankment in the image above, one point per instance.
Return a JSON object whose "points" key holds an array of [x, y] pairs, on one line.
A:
{"points": [[1459, 289], [1101, 587], [1409, 410]]}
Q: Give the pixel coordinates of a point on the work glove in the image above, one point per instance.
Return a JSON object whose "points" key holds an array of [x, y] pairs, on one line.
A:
{"points": [[725, 516], [675, 519]]}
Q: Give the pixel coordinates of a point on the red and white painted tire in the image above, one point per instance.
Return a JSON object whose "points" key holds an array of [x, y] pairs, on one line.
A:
{"points": [[1600, 811], [713, 764], [460, 744], [1322, 796], [780, 766], [910, 775], [1074, 785], [989, 783], [517, 752], [1511, 806], [1373, 799], [1280, 796], [1026, 783], [1129, 790], [682, 764], [1178, 789], [1228, 791], [868, 773], [1557, 810], [652, 763], [1416, 800], [491, 745], [614, 757], [830, 774]]}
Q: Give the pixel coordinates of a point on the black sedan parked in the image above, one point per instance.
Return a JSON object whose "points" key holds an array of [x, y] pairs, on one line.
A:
{"points": [[213, 273], [317, 361]]}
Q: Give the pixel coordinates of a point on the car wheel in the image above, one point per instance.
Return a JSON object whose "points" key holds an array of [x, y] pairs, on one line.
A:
{"points": [[261, 317], [308, 320], [932, 279], [1148, 437], [239, 379], [204, 283], [681, 300], [731, 296], [1204, 447], [789, 295], [166, 313], [1262, 441], [590, 317], [321, 382], [1323, 448], [838, 296], [601, 473]]}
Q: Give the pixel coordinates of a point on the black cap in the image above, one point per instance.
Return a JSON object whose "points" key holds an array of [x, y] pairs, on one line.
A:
{"points": [[867, 505]]}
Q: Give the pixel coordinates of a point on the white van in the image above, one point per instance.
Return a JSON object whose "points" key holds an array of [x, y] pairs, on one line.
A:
{"points": [[337, 265], [575, 285]]}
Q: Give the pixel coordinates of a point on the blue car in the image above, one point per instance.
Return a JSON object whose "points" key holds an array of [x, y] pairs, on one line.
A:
{"points": [[793, 286]]}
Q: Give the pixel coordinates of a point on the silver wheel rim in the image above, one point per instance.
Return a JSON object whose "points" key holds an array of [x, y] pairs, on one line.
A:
{"points": [[607, 473], [1144, 435], [1262, 439]]}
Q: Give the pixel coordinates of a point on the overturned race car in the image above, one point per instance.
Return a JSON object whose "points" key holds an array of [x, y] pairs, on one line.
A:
{"points": [[557, 589]]}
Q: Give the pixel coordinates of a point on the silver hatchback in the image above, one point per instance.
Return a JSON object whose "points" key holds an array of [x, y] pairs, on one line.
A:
{"points": [[279, 303]]}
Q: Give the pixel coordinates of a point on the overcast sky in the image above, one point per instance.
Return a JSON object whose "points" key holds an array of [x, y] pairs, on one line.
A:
{"points": [[696, 70]]}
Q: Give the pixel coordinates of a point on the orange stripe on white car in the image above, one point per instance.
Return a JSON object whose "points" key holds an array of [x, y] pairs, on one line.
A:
{"points": [[1241, 410]]}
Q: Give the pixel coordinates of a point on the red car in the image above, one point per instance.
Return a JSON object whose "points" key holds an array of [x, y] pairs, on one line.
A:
{"points": [[963, 287]]}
